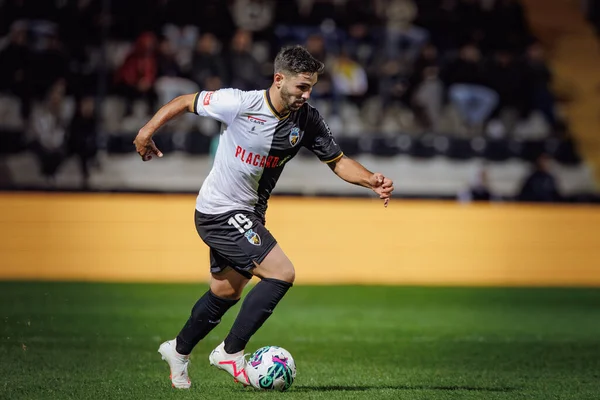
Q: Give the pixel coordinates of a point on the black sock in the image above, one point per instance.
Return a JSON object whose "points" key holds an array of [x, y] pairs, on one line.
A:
{"points": [[256, 308], [206, 315]]}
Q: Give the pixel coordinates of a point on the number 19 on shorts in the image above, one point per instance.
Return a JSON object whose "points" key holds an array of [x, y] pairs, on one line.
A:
{"points": [[241, 222]]}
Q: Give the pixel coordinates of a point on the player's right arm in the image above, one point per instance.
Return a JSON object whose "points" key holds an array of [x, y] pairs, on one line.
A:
{"points": [[222, 105], [144, 144]]}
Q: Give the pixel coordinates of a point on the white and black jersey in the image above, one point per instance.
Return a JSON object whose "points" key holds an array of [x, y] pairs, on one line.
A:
{"points": [[255, 144]]}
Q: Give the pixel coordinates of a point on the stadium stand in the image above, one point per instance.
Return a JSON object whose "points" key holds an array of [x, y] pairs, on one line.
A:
{"points": [[443, 95]]}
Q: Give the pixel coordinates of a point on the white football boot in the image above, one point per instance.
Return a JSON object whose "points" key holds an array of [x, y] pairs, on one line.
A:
{"points": [[234, 364], [178, 364]]}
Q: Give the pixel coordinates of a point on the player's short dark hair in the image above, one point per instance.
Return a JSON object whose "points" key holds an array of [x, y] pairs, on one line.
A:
{"points": [[297, 60]]}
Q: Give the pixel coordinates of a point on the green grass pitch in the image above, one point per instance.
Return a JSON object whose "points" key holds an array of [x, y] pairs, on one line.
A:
{"points": [[99, 341]]}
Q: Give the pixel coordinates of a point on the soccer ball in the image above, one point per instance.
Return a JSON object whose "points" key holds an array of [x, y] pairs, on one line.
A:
{"points": [[271, 368]]}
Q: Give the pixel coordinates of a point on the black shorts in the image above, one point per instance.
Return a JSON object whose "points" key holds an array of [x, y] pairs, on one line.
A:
{"points": [[237, 239]]}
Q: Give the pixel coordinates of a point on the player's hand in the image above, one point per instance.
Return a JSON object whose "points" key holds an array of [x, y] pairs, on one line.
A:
{"points": [[382, 186], [145, 146]]}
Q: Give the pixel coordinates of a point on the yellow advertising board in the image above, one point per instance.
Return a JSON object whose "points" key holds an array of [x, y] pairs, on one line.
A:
{"points": [[140, 237]]}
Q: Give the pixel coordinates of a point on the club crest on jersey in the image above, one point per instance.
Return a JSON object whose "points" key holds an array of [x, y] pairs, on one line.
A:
{"points": [[294, 136], [252, 237]]}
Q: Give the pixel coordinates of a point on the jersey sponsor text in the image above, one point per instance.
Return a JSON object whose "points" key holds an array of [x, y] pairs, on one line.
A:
{"points": [[256, 159]]}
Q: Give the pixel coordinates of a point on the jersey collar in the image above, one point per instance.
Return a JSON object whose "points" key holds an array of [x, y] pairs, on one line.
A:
{"points": [[272, 107]]}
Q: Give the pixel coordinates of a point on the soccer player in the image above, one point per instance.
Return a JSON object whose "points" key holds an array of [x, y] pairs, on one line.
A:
{"points": [[261, 131]]}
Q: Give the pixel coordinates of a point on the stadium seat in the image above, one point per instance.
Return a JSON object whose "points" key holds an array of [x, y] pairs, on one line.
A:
{"points": [[565, 152], [497, 150], [532, 149], [12, 141], [424, 147], [460, 149], [349, 146], [405, 143], [384, 147], [120, 144]]}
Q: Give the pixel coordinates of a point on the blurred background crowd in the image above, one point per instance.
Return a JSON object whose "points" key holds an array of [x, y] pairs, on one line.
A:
{"points": [[459, 89]]}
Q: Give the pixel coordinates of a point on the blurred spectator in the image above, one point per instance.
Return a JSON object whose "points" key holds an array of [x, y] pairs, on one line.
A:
{"points": [[540, 185], [47, 131], [366, 14], [402, 43], [539, 81], [50, 59], [312, 12], [88, 29], [402, 38], [208, 64], [507, 78], [240, 54], [12, 11], [182, 40], [479, 189], [360, 44], [170, 82], [444, 23], [83, 136], [215, 17], [349, 78], [360, 24], [427, 99], [136, 76], [255, 16], [316, 45], [286, 13], [407, 49], [362, 39], [468, 88], [472, 23], [507, 14], [166, 62], [14, 66], [591, 9]]}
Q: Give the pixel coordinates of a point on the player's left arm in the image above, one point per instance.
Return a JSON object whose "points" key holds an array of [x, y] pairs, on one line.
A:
{"points": [[354, 172], [329, 152]]}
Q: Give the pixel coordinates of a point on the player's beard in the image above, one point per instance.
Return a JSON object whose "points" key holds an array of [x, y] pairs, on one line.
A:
{"points": [[291, 102]]}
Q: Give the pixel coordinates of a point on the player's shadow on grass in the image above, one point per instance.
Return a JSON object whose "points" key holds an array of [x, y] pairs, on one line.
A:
{"points": [[306, 388]]}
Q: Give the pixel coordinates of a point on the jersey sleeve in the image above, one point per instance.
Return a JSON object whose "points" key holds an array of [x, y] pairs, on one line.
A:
{"points": [[323, 145], [222, 105]]}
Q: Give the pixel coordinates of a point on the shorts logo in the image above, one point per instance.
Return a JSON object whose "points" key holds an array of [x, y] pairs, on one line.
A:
{"points": [[294, 135], [252, 237], [207, 98]]}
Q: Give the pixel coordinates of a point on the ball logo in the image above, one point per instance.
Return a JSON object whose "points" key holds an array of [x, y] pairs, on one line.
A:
{"points": [[294, 136], [252, 237], [271, 368]]}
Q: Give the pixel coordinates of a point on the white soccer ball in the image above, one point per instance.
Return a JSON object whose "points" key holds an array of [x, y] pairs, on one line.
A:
{"points": [[271, 368]]}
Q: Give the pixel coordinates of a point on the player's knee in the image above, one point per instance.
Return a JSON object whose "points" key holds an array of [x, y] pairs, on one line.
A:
{"points": [[283, 271], [291, 276], [288, 273], [276, 266]]}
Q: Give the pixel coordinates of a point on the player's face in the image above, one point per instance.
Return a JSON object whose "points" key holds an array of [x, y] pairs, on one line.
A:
{"points": [[296, 89]]}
